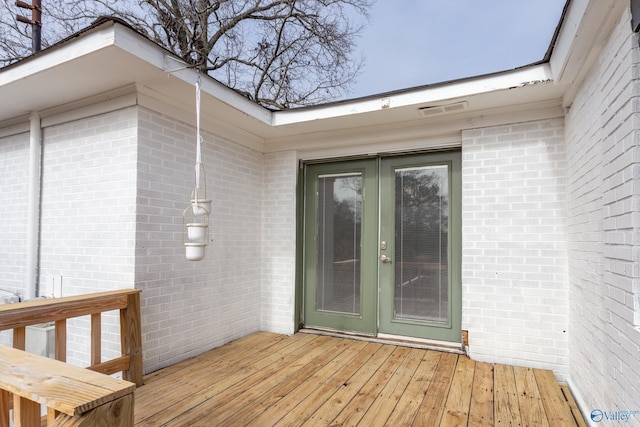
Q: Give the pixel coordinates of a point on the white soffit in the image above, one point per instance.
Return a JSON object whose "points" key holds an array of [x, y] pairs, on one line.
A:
{"points": [[166, 62], [520, 95], [105, 59], [493, 91], [47, 80], [111, 56], [435, 95], [585, 29]]}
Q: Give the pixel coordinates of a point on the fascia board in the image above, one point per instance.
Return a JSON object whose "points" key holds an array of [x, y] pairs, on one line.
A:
{"points": [[92, 41], [408, 135], [584, 32], [567, 38], [420, 97]]}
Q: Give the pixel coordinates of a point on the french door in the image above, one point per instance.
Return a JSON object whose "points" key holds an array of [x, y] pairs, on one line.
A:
{"points": [[382, 246]]}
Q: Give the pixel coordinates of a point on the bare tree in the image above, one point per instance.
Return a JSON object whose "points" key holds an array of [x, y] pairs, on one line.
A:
{"points": [[279, 53]]}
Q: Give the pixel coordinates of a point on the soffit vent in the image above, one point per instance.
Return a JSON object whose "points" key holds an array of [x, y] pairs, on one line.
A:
{"points": [[435, 110]]}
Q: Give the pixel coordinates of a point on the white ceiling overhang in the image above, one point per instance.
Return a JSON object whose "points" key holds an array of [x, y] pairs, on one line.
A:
{"points": [[110, 56], [585, 30]]}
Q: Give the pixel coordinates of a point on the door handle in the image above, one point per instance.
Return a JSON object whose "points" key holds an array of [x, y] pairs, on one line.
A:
{"points": [[385, 259]]}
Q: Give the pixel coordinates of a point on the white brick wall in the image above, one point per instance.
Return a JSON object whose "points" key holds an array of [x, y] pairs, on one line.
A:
{"points": [[113, 193], [88, 216], [189, 307], [603, 156], [514, 256], [279, 242], [14, 185], [14, 167]]}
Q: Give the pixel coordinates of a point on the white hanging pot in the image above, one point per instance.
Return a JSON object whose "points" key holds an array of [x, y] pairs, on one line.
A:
{"points": [[201, 207], [197, 232], [194, 251]]}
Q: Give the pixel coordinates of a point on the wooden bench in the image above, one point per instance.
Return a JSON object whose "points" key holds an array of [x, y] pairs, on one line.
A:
{"points": [[20, 315], [73, 396]]}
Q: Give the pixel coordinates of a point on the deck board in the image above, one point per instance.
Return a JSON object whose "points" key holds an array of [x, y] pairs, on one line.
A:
{"points": [[505, 394], [456, 411], [353, 412], [386, 401], [407, 407], [330, 409], [481, 408], [306, 382], [198, 384], [529, 400], [267, 379], [322, 390], [556, 407], [432, 408]]}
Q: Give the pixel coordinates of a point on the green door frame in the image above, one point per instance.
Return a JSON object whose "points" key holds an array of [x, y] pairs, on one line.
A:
{"points": [[374, 311]]}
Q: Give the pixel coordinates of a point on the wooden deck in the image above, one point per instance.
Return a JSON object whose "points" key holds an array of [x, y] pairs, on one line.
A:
{"points": [[267, 380]]}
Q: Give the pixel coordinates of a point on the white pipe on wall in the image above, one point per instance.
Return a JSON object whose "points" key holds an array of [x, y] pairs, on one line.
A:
{"points": [[33, 213]]}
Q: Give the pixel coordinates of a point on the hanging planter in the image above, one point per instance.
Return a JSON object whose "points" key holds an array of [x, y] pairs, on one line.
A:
{"points": [[196, 227], [197, 233], [195, 220], [195, 217], [194, 251]]}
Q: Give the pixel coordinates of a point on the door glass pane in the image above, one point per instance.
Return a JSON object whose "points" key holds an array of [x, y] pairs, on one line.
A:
{"points": [[339, 235], [421, 289]]}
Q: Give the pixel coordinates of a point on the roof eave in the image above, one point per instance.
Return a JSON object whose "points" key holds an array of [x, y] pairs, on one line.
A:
{"points": [[422, 97], [147, 61]]}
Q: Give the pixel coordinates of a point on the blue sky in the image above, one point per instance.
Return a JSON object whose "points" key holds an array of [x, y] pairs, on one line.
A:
{"points": [[417, 42]]}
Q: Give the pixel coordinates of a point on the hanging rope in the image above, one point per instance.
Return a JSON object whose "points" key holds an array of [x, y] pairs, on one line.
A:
{"points": [[198, 136]]}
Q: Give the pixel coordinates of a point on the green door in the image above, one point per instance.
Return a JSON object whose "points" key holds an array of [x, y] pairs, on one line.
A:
{"points": [[382, 246], [420, 239], [340, 256]]}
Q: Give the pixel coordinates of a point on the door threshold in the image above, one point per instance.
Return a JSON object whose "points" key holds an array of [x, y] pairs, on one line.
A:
{"points": [[421, 343]]}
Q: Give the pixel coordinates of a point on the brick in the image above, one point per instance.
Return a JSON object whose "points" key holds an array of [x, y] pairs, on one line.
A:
{"points": [[529, 232], [602, 139]]}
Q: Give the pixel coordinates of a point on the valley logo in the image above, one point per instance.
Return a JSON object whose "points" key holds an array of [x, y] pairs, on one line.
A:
{"points": [[598, 415]]}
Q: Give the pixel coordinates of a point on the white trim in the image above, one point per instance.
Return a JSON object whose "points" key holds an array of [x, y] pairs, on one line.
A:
{"points": [[157, 102], [14, 127], [401, 145], [582, 405], [412, 136], [89, 107], [443, 345], [89, 42], [391, 340], [584, 32], [420, 97]]}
